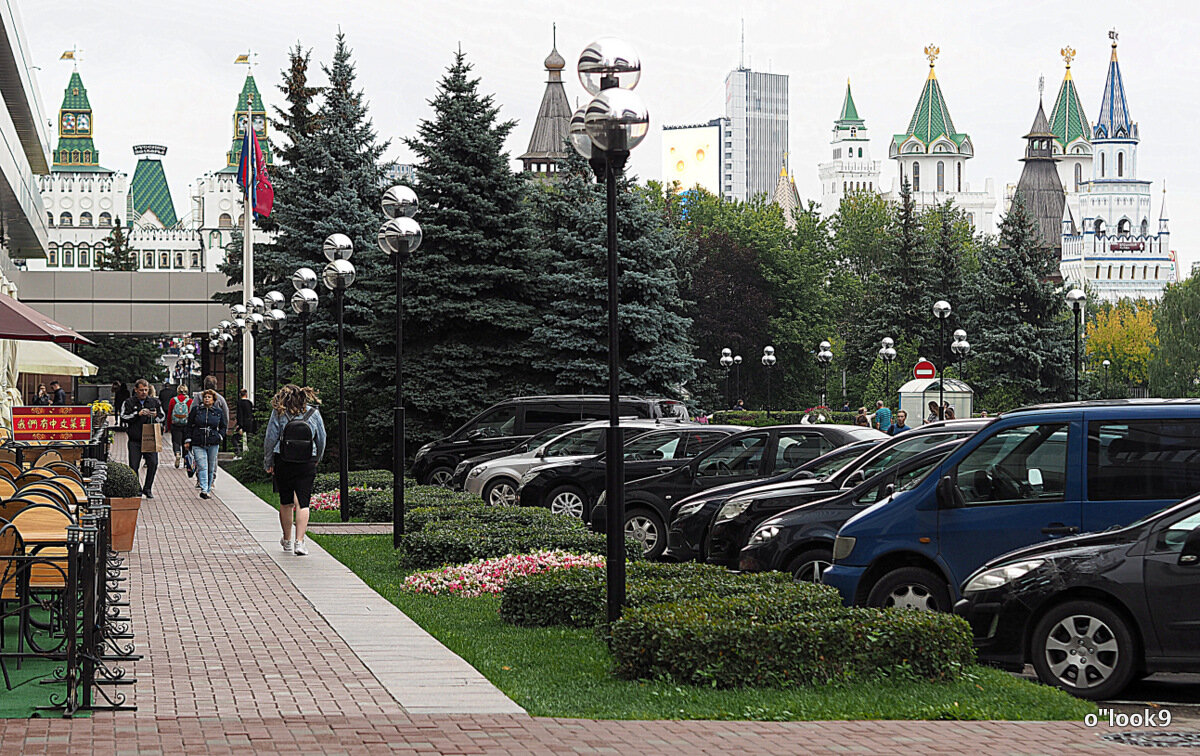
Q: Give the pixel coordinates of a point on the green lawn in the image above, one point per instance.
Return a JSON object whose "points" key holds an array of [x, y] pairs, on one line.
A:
{"points": [[558, 672], [264, 492]]}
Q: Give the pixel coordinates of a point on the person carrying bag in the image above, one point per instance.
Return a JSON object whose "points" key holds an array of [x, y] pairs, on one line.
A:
{"points": [[294, 444], [142, 414]]}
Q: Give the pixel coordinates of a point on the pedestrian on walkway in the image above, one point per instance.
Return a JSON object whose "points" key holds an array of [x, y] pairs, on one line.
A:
{"points": [[883, 417], [294, 445], [245, 415], [206, 429], [934, 414], [58, 397], [120, 395], [178, 409], [165, 394], [140, 411]]}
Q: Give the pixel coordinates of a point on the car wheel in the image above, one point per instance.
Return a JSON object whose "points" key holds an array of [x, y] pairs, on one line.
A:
{"points": [[440, 476], [566, 500], [647, 527], [1084, 648], [808, 565], [501, 492], [911, 588]]}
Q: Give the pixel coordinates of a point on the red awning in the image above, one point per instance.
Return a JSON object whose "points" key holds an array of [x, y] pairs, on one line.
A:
{"points": [[20, 322]]}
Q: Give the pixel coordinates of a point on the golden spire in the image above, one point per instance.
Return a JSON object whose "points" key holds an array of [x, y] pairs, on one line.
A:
{"points": [[932, 52], [1068, 55], [783, 166], [1112, 34]]}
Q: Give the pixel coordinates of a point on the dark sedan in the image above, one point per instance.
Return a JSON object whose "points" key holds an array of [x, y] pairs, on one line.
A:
{"points": [[739, 516], [1092, 612], [459, 479], [800, 540]]}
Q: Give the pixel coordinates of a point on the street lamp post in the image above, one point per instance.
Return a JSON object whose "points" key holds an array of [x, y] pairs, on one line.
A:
{"points": [[737, 368], [1076, 298], [1106, 365], [941, 310], [887, 353], [274, 322], [824, 356], [768, 361], [604, 132], [304, 303], [727, 363], [399, 237], [338, 276]]}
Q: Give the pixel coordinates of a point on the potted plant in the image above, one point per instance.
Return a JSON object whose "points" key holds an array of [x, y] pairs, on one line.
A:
{"points": [[123, 493]]}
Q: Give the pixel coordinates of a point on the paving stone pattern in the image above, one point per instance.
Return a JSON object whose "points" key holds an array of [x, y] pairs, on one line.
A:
{"points": [[238, 661]]}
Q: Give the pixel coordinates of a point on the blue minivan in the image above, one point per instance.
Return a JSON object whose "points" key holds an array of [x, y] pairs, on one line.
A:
{"points": [[1033, 474]]}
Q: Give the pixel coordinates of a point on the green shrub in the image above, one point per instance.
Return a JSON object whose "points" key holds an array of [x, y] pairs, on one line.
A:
{"points": [[122, 482], [577, 597], [458, 540], [419, 518], [757, 418], [248, 468], [329, 481], [753, 640]]}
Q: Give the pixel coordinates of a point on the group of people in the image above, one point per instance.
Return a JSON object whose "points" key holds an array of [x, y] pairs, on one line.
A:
{"points": [[883, 420], [197, 425], [54, 396]]}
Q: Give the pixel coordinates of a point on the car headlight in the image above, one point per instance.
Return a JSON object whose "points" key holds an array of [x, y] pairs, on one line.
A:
{"points": [[842, 546], [528, 476], [423, 450], [476, 471], [602, 498], [691, 508], [994, 578], [762, 535], [733, 508]]}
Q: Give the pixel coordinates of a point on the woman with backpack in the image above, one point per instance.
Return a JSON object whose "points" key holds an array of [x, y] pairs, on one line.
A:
{"points": [[179, 409], [205, 430], [294, 444]]}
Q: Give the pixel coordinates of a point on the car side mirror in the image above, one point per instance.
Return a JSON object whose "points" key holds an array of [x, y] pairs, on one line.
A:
{"points": [[948, 495], [1035, 477], [856, 477], [804, 475], [476, 434], [888, 490], [1191, 549]]}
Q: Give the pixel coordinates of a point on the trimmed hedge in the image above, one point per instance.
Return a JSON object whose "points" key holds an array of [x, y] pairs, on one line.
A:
{"points": [[419, 518], [757, 418], [329, 481], [748, 641], [577, 598], [375, 505], [122, 482]]}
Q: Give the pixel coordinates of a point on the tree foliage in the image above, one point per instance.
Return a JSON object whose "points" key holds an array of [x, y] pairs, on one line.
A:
{"points": [[1123, 334], [1174, 365], [117, 253], [124, 358]]}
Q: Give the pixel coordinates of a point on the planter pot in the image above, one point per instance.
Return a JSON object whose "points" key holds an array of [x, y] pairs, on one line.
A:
{"points": [[123, 520]]}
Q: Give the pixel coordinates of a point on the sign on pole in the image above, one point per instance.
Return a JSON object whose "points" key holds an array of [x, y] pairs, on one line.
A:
{"points": [[52, 423], [924, 369]]}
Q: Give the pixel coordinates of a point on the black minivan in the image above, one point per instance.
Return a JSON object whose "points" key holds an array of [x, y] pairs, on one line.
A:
{"points": [[510, 422]]}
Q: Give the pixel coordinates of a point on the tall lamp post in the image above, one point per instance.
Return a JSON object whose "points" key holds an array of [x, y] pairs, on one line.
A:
{"points": [[825, 356], [399, 237], [304, 303], [237, 328], [1076, 298], [339, 276], [887, 353], [961, 348], [737, 369], [603, 132], [727, 363], [768, 361], [275, 316], [941, 310], [1106, 364]]}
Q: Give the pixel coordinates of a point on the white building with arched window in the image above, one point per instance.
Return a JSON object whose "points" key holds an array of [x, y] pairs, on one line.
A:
{"points": [[851, 168]]}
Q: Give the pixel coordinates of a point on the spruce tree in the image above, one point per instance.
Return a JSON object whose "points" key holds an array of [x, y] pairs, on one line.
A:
{"points": [[572, 338], [473, 288], [117, 253], [1017, 323]]}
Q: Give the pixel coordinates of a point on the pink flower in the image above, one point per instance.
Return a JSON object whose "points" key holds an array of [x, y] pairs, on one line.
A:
{"points": [[492, 575]]}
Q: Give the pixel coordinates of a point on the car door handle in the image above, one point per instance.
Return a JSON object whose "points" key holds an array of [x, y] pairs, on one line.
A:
{"points": [[1057, 528], [664, 468]]}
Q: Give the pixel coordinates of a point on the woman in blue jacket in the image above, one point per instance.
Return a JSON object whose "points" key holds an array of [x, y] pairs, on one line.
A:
{"points": [[294, 444], [205, 432]]}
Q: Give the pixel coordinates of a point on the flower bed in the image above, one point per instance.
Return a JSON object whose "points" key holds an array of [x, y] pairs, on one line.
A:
{"points": [[492, 575], [332, 499]]}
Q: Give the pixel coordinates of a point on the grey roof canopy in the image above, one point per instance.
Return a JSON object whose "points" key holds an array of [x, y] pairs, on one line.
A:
{"points": [[548, 141]]}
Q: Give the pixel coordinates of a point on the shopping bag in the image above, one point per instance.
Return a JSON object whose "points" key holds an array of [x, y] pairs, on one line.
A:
{"points": [[151, 438]]}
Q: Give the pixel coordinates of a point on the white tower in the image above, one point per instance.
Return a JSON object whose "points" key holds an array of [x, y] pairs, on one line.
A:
{"points": [[851, 168]]}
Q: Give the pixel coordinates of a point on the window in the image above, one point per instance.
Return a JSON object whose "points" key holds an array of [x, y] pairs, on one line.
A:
{"points": [[1155, 272], [195, 259], [941, 176], [1101, 165], [225, 221], [916, 177], [1109, 276], [958, 186], [105, 219], [1145, 227], [87, 156], [85, 219], [501, 421], [902, 482], [1078, 175], [654, 446], [74, 156], [549, 415], [910, 447], [794, 449], [63, 156], [1099, 225], [1143, 459], [164, 260], [50, 219], [1016, 465], [85, 260], [1123, 226], [149, 260], [1120, 164], [178, 259], [860, 151], [1097, 272], [68, 256], [580, 442], [65, 220], [1120, 272], [1172, 539], [740, 457], [701, 441], [52, 256]]}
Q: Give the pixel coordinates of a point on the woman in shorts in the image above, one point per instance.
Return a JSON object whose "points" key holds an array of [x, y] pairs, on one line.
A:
{"points": [[293, 477]]}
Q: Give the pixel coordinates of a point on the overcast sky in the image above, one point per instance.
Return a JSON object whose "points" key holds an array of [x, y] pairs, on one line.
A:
{"points": [[163, 72]]}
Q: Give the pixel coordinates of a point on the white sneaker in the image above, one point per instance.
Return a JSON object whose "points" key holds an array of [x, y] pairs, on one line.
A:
{"points": [[301, 549], [286, 544]]}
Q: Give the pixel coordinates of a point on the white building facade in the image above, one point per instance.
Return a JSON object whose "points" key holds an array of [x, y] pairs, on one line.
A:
{"points": [[850, 168]]}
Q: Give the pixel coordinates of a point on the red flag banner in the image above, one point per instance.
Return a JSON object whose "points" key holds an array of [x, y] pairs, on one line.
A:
{"points": [[52, 423]]}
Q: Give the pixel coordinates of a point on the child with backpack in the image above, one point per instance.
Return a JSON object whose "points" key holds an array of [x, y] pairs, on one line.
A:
{"points": [[178, 409], [294, 444]]}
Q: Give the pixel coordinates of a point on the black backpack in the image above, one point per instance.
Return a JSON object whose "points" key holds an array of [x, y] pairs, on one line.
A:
{"points": [[296, 443]]}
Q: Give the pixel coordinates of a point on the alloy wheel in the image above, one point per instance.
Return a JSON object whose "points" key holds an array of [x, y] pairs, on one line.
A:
{"points": [[1081, 651], [441, 477], [912, 596], [644, 530], [503, 495], [810, 572], [567, 503]]}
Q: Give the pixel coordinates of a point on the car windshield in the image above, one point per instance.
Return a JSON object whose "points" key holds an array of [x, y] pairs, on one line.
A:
{"points": [[578, 442], [905, 449], [547, 435], [822, 467]]}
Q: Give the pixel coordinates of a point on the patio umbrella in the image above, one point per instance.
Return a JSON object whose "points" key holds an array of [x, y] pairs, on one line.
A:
{"points": [[43, 357], [20, 322]]}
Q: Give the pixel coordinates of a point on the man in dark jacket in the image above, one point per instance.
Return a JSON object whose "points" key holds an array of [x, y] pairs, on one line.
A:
{"points": [[59, 397], [141, 410], [245, 414]]}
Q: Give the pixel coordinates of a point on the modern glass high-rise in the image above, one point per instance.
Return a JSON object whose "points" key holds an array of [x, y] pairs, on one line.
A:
{"points": [[756, 135]]}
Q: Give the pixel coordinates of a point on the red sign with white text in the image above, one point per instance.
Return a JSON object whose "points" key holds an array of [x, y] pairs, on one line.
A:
{"points": [[52, 423], [924, 369]]}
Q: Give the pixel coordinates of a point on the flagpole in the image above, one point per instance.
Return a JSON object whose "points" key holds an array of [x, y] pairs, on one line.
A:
{"points": [[248, 252]]}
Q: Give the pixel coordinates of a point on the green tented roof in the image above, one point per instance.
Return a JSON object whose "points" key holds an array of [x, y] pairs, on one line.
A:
{"points": [[1067, 120], [849, 112], [75, 96], [75, 148], [80, 169], [148, 192], [931, 118], [249, 88]]}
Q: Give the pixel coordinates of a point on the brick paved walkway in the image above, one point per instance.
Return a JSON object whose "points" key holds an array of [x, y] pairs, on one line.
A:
{"points": [[238, 662]]}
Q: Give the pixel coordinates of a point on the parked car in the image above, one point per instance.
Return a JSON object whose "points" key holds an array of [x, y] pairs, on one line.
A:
{"points": [[687, 522], [800, 540], [1093, 612], [573, 488], [496, 480], [732, 524], [1034, 474], [459, 479], [504, 425]]}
